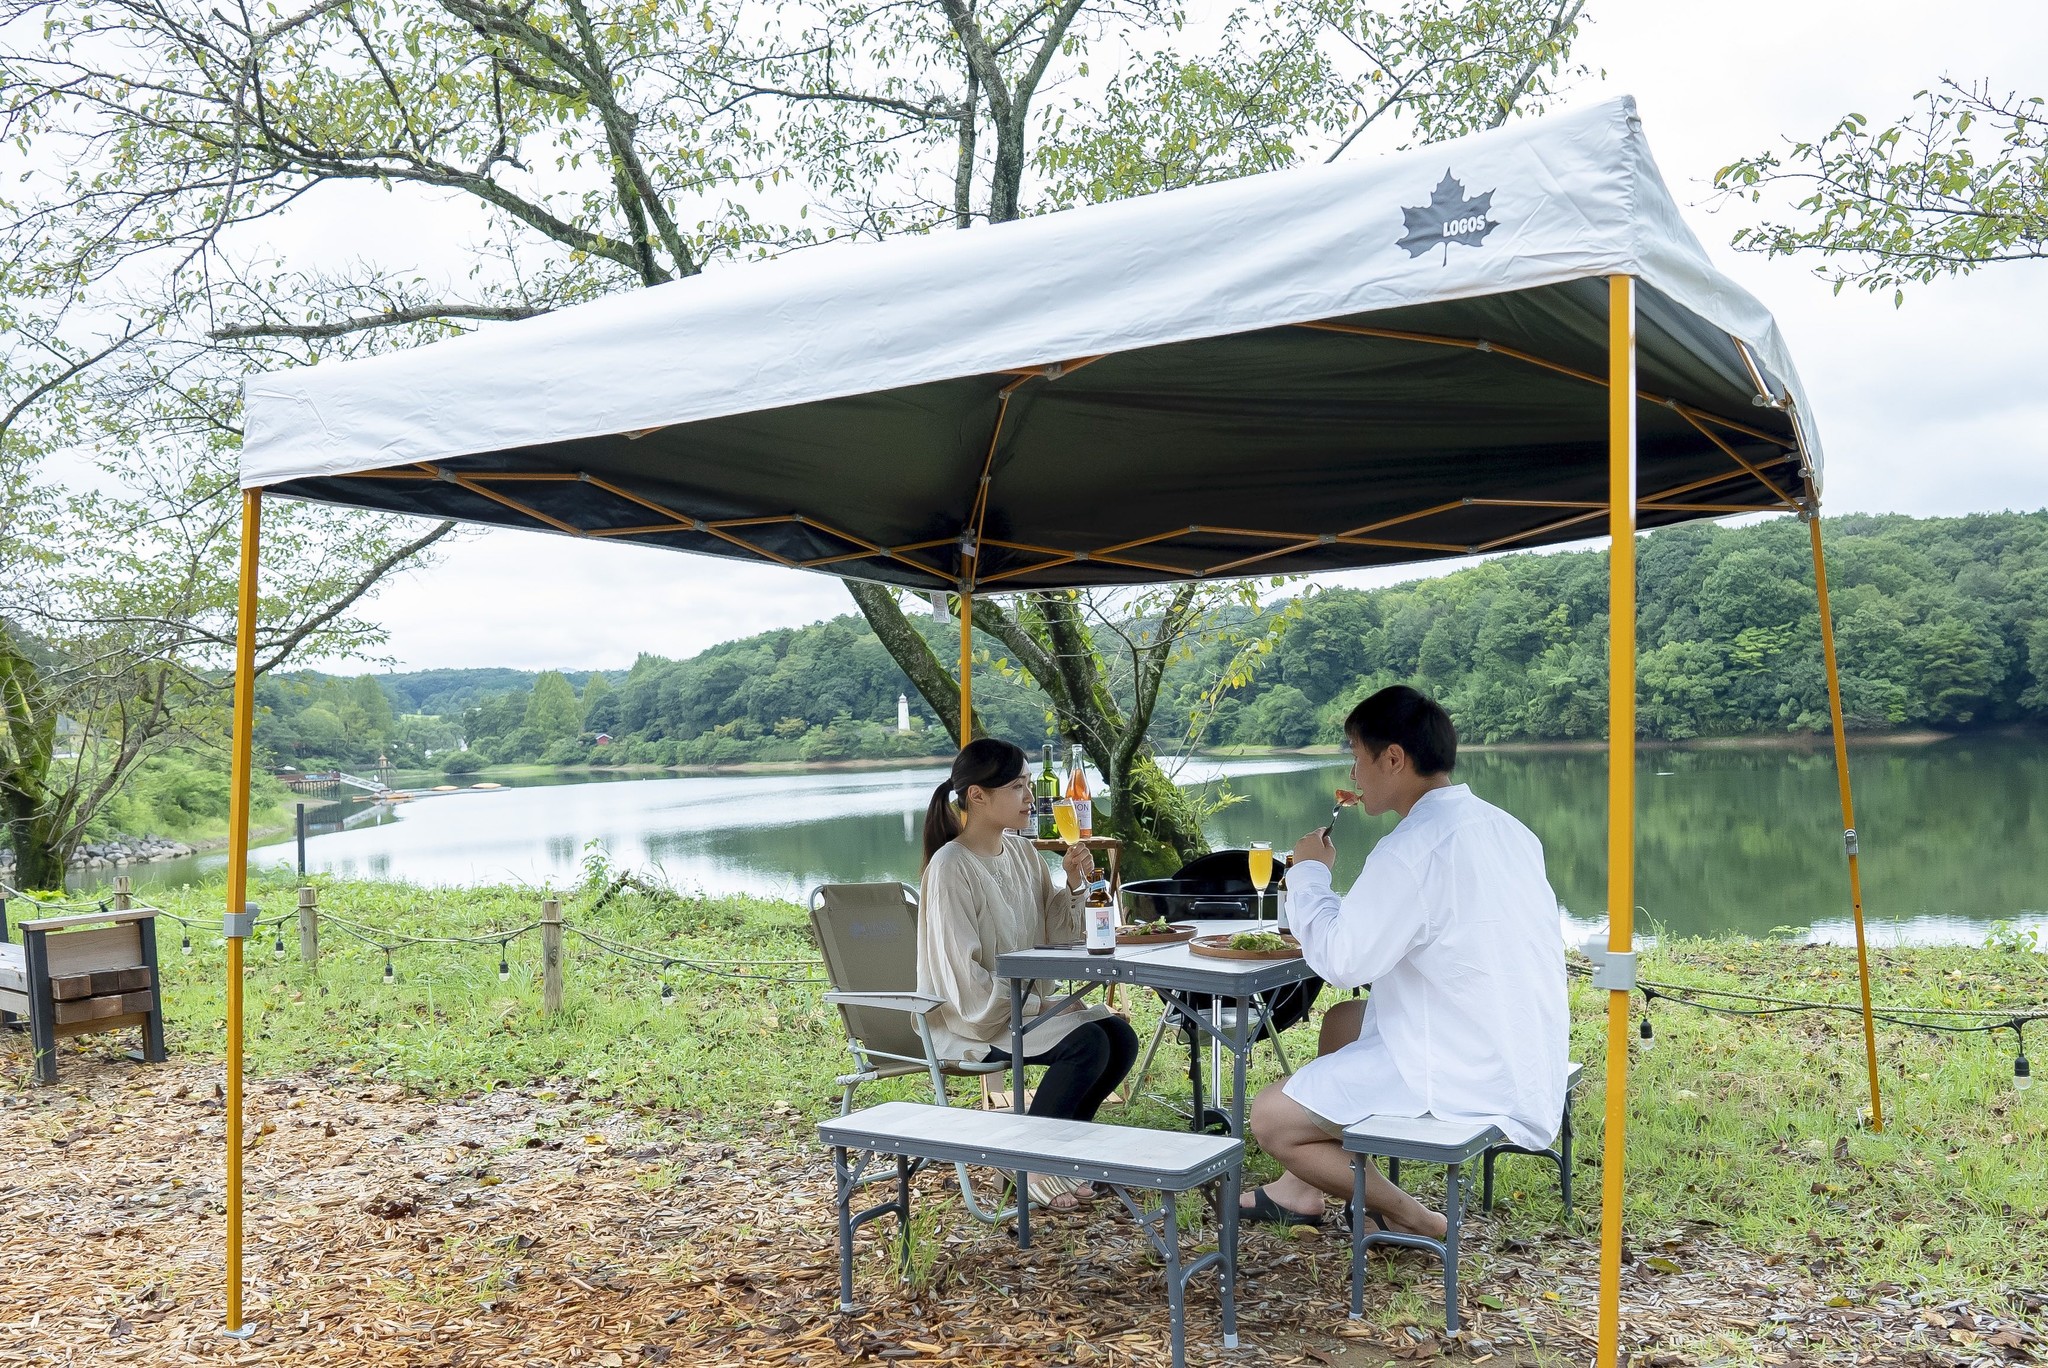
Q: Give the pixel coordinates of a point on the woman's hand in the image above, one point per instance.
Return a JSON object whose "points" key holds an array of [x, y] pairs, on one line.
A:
{"points": [[1079, 862]]}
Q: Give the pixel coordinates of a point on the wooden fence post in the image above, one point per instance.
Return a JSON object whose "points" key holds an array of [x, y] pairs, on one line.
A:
{"points": [[124, 893], [309, 926], [551, 956]]}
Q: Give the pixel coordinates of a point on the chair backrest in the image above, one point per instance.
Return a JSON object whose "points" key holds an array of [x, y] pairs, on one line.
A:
{"points": [[868, 933]]}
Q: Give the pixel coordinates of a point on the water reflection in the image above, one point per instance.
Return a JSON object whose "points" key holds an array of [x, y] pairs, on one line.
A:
{"points": [[1748, 840]]}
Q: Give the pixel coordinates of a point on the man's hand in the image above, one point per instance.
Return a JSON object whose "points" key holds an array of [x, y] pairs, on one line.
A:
{"points": [[1080, 865], [1316, 846]]}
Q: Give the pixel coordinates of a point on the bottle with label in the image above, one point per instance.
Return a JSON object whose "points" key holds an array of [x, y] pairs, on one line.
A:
{"points": [[1044, 792], [1077, 792], [1101, 917]]}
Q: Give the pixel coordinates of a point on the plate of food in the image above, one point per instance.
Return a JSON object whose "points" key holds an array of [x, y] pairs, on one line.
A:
{"points": [[1160, 932], [1247, 945]]}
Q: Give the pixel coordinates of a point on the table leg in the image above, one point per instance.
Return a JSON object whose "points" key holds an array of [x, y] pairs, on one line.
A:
{"points": [[1241, 1040], [1017, 1045], [1023, 1179]]}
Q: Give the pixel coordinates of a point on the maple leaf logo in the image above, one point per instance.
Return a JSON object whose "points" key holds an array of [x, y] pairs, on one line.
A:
{"points": [[1448, 217]]}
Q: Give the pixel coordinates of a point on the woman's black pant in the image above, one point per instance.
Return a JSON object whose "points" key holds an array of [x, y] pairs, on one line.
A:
{"points": [[1082, 1069]]}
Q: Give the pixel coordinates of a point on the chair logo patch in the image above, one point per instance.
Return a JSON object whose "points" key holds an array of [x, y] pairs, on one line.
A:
{"points": [[1448, 217]]}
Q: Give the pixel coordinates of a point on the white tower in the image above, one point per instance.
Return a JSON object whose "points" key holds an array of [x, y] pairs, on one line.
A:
{"points": [[902, 712]]}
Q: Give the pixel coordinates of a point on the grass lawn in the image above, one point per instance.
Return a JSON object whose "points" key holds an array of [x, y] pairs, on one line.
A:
{"points": [[1746, 1154]]}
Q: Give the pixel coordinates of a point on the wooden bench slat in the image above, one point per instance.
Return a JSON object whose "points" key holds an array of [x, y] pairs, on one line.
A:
{"points": [[1125, 1155], [97, 1008], [13, 1000], [99, 984], [88, 952], [112, 1023]]}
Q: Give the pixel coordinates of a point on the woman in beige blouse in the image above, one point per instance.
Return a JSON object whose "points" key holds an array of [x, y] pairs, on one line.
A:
{"points": [[986, 893]]}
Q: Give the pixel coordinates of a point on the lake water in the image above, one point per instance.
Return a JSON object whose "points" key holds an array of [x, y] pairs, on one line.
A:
{"points": [[1954, 835]]}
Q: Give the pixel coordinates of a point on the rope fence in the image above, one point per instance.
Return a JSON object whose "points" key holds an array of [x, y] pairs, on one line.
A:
{"points": [[552, 930]]}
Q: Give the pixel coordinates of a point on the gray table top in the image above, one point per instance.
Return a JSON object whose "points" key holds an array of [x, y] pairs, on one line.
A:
{"points": [[1173, 967]]}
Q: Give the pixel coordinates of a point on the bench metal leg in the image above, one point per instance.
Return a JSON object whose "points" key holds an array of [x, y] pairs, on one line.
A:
{"points": [[42, 1008], [152, 1029], [846, 1180], [1564, 1143], [1176, 1290], [1233, 1183], [842, 1182], [1560, 1155], [1358, 1220], [1454, 1184]]}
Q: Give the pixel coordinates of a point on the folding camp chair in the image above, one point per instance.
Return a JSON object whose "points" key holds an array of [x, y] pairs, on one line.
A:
{"points": [[868, 933]]}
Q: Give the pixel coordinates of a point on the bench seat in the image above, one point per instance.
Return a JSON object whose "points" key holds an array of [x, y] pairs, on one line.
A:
{"points": [[1122, 1158]]}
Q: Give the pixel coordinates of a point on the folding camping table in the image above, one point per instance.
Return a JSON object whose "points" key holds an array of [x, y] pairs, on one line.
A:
{"points": [[1173, 970]]}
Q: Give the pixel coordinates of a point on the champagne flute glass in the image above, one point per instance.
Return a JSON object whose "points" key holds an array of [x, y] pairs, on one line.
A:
{"points": [[1260, 860], [1066, 820]]}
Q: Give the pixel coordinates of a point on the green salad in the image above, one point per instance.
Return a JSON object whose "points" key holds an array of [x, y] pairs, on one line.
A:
{"points": [[1262, 942], [1162, 927]]}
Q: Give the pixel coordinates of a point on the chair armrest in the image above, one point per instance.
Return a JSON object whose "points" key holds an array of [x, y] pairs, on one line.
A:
{"points": [[894, 1002]]}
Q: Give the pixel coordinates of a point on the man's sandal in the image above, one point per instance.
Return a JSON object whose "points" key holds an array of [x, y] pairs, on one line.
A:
{"points": [[1269, 1212]]}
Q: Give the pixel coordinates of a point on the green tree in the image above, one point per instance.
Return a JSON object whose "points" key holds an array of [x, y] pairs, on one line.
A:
{"points": [[598, 707], [1957, 184], [552, 711], [607, 146]]}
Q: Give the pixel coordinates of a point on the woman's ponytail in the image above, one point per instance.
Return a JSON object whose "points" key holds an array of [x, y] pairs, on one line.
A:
{"points": [[984, 763], [941, 820]]}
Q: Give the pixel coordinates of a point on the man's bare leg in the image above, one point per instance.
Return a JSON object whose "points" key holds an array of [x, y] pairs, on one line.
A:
{"points": [[1316, 1164], [1341, 1025]]}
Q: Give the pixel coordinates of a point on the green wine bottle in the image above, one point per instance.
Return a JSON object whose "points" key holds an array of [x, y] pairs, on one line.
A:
{"points": [[1044, 792]]}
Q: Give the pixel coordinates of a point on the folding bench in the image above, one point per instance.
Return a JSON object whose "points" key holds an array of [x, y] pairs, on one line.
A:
{"points": [[1454, 1144], [70, 981], [1121, 1158]]}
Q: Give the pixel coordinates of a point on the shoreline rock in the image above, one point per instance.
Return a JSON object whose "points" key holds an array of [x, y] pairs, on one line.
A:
{"points": [[117, 852]]}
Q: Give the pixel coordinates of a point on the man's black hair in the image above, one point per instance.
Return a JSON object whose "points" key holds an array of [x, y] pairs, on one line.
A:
{"points": [[1417, 723]]}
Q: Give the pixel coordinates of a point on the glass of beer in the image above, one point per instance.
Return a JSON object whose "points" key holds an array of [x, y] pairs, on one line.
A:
{"points": [[1260, 860], [1068, 822]]}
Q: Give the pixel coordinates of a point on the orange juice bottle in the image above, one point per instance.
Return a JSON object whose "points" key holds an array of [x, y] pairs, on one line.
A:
{"points": [[1077, 790]]}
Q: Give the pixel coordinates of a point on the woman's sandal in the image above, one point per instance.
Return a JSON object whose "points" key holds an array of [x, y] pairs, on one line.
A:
{"points": [[1047, 1190], [1267, 1211]]}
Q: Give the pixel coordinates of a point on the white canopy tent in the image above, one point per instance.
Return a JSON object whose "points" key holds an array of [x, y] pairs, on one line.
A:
{"points": [[1498, 341]]}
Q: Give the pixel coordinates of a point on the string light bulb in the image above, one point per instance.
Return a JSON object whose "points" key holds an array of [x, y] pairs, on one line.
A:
{"points": [[277, 947], [390, 974], [2022, 1074], [185, 945], [504, 969], [1649, 1035], [668, 990]]}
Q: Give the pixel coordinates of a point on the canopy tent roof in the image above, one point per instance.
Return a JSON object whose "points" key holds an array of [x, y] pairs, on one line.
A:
{"points": [[1329, 367]]}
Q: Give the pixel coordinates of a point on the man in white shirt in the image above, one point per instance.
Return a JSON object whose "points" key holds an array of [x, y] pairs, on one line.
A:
{"points": [[1453, 924]]}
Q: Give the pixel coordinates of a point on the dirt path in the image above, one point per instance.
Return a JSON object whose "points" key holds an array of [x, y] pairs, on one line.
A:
{"points": [[535, 1228]]}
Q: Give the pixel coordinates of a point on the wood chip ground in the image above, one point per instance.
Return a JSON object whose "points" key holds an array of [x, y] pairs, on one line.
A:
{"points": [[532, 1227]]}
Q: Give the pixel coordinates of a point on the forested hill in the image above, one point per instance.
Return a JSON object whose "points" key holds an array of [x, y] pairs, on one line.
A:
{"points": [[1940, 622]]}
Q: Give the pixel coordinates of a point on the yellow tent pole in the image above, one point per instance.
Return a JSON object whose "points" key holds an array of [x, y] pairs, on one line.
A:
{"points": [[1621, 778], [966, 664], [240, 780], [1827, 646]]}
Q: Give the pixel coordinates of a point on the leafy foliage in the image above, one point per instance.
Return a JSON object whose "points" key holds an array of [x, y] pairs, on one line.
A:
{"points": [[1959, 183], [1940, 622]]}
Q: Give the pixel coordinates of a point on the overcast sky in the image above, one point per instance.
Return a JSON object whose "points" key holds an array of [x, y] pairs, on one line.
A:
{"points": [[1937, 408]]}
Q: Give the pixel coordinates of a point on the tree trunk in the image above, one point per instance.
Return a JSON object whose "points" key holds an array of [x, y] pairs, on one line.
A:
{"points": [[932, 680], [38, 859]]}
